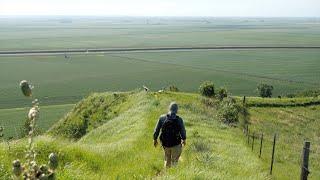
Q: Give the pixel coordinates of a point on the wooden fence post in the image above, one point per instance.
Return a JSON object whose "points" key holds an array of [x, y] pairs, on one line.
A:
{"points": [[273, 149], [252, 141], [261, 141], [248, 136], [305, 161]]}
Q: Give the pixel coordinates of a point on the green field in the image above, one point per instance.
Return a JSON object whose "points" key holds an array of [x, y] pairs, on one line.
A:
{"points": [[83, 32], [63, 81], [12, 120]]}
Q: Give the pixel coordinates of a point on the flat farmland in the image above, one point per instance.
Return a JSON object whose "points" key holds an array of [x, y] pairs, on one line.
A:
{"points": [[13, 119], [60, 80], [31, 33]]}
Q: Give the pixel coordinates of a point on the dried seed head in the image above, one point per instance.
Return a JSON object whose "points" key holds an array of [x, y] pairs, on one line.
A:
{"points": [[43, 169], [43, 177], [25, 88], [34, 165], [16, 163], [17, 168], [33, 113], [53, 161]]}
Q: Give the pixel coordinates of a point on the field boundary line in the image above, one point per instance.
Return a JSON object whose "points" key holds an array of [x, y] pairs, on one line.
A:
{"points": [[101, 50]]}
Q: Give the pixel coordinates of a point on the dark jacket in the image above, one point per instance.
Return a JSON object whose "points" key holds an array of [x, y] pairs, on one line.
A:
{"points": [[161, 120]]}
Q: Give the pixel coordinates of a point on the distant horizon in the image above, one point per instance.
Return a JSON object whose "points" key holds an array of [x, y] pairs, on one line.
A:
{"points": [[167, 8], [137, 16]]}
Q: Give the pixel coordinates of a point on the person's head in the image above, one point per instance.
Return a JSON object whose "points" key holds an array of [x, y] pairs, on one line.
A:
{"points": [[173, 108]]}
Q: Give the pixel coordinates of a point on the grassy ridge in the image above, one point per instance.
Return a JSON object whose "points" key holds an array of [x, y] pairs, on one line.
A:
{"points": [[122, 147]]}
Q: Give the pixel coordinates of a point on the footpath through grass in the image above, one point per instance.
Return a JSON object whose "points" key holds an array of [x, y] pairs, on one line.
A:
{"points": [[121, 147]]}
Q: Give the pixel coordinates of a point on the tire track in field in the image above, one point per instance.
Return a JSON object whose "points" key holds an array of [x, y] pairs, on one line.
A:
{"points": [[217, 70]]}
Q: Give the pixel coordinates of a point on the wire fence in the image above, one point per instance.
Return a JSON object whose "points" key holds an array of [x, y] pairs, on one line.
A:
{"points": [[266, 148]]}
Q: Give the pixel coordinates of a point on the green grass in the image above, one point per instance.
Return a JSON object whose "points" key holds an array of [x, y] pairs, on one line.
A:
{"points": [[122, 146], [61, 81], [293, 125], [280, 102], [13, 119], [119, 145]]}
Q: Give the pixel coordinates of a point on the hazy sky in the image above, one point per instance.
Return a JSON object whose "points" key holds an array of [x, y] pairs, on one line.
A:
{"points": [[273, 8]]}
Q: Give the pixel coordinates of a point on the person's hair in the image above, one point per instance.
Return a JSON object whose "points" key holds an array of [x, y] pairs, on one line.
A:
{"points": [[173, 107]]}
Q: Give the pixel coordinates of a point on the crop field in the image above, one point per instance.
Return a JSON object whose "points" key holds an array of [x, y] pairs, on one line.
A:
{"points": [[100, 32], [13, 120], [58, 80]]}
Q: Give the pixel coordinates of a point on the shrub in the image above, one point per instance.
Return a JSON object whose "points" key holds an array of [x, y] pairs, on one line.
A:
{"points": [[265, 90], [222, 93], [172, 88], [244, 117], [228, 111], [207, 89]]}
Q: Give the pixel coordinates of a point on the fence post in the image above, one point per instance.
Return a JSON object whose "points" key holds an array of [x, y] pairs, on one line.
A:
{"points": [[305, 161], [248, 136], [252, 141], [273, 149], [261, 141]]}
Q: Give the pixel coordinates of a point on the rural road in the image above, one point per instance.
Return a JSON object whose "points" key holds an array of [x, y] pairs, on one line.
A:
{"points": [[156, 49]]}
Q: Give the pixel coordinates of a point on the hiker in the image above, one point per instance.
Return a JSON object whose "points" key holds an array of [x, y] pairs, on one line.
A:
{"points": [[173, 135]]}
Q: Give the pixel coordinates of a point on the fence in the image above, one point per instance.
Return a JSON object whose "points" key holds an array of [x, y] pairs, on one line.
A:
{"points": [[253, 137]]}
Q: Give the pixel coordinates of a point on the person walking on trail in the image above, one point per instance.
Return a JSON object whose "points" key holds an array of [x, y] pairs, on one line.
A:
{"points": [[173, 135]]}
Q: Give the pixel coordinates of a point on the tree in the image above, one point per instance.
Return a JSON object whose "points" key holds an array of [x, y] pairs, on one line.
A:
{"points": [[207, 89], [265, 90]]}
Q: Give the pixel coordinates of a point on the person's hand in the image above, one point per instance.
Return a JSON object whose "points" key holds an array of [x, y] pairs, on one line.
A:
{"points": [[184, 142], [155, 143]]}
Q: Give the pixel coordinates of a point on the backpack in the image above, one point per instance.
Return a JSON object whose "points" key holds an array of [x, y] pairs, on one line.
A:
{"points": [[170, 132]]}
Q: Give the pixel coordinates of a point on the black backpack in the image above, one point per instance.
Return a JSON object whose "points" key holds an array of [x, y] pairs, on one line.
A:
{"points": [[170, 132]]}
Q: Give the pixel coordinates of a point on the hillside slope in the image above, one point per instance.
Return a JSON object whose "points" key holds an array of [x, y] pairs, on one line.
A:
{"points": [[116, 141]]}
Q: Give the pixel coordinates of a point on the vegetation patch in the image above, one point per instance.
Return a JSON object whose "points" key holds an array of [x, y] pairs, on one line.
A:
{"points": [[89, 114]]}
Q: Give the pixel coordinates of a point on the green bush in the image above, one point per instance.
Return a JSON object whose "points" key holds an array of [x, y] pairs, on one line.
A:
{"points": [[244, 116], [222, 93], [265, 90], [172, 88], [207, 89], [228, 111]]}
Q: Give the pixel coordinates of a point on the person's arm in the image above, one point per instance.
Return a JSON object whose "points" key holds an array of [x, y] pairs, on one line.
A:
{"points": [[156, 132], [183, 132]]}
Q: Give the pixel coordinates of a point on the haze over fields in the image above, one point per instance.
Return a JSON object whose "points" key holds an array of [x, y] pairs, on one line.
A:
{"points": [[103, 72]]}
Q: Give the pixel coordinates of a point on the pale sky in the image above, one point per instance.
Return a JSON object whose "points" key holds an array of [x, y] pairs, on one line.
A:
{"points": [[247, 8]]}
